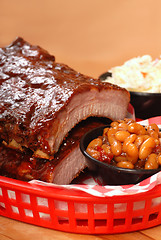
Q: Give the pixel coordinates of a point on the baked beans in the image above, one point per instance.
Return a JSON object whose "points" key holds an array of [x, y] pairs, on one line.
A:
{"points": [[128, 144]]}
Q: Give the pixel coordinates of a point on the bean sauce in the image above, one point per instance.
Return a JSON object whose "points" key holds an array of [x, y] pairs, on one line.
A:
{"points": [[128, 144]]}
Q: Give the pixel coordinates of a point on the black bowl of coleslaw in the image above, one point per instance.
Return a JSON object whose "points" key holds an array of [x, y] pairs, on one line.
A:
{"points": [[146, 104]]}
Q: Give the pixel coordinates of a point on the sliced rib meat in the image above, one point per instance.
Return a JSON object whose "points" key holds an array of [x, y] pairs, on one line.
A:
{"points": [[41, 100], [67, 164]]}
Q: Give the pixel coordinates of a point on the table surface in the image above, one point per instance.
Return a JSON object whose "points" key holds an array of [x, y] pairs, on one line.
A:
{"points": [[15, 230], [90, 36]]}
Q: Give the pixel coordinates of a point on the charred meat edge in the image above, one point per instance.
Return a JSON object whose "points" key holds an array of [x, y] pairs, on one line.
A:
{"points": [[68, 163]]}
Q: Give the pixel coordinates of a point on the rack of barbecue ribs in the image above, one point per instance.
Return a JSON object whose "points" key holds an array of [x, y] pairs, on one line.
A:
{"points": [[41, 101]]}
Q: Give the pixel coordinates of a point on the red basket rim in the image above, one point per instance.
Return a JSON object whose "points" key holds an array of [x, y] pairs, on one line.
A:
{"points": [[62, 193]]}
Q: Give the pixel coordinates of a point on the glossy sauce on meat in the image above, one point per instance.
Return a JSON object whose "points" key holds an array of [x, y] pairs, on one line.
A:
{"points": [[34, 89], [33, 86]]}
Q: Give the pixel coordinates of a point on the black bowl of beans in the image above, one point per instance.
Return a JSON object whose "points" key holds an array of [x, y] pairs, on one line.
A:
{"points": [[123, 152]]}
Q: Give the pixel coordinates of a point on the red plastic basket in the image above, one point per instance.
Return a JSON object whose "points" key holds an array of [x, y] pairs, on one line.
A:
{"points": [[76, 211]]}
